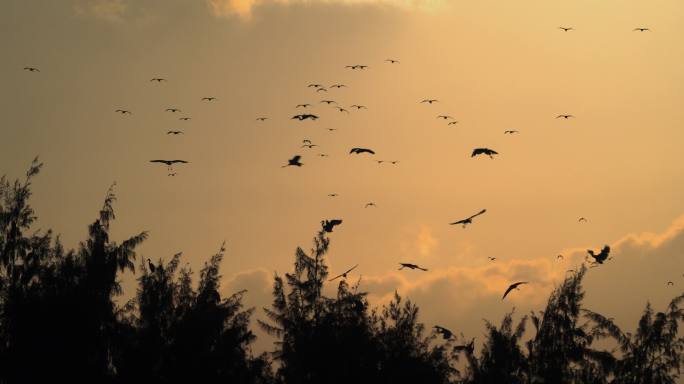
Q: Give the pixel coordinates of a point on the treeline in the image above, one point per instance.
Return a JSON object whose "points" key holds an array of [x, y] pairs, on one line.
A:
{"points": [[60, 322]]}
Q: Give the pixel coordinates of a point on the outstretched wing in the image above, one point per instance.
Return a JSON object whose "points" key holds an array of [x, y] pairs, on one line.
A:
{"points": [[459, 222], [296, 158], [178, 161], [477, 151], [351, 269], [160, 161], [478, 214]]}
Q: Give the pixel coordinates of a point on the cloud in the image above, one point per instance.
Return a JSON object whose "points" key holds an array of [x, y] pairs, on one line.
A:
{"points": [[110, 10], [244, 8]]}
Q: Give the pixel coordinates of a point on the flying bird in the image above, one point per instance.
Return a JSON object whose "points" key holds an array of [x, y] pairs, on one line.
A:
{"points": [[358, 106], [262, 118], [361, 150], [314, 85], [306, 141], [185, 118], [123, 112], [174, 132], [341, 109], [169, 163], [392, 61], [344, 275], [581, 219], [641, 29], [158, 79], [332, 194], [601, 256], [445, 117], [208, 98], [309, 145], [328, 101], [371, 204], [411, 266], [486, 151], [304, 117], [564, 116], [357, 66], [468, 220], [510, 132], [328, 225], [174, 110], [670, 283], [332, 129], [323, 155], [430, 101], [31, 69], [452, 122], [337, 86], [565, 29], [303, 105], [321, 89], [446, 334], [512, 287], [560, 257], [491, 258], [293, 162]]}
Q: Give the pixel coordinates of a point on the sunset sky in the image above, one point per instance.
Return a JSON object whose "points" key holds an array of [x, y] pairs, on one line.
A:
{"points": [[493, 65]]}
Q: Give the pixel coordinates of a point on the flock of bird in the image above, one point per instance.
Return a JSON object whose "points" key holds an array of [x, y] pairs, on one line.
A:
{"points": [[328, 225]]}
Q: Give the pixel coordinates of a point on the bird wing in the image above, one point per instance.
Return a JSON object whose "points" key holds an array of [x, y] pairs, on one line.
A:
{"points": [[510, 288], [478, 214], [459, 222], [334, 222], [351, 269], [178, 161], [160, 161], [296, 158], [477, 151]]}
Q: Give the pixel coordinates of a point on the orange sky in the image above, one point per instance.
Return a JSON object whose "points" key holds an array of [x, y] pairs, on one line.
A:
{"points": [[493, 65]]}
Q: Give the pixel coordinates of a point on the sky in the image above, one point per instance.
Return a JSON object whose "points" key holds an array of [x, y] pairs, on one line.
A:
{"points": [[493, 66]]}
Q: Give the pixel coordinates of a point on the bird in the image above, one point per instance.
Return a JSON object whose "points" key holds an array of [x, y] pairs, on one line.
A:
{"points": [[332, 194], [123, 111], [446, 334], [445, 117], [323, 155], [173, 110], [344, 275], [328, 101], [31, 69], [208, 98], [565, 29], [306, 141], [581, 219], [560, 257], [357, 106], [185, 118], [392, 61], [309, 145], [641, 29], [486, 151], [564, 116], [601, 256], [303, 105], [341, 109], [411, 266], [361, 150], [491, 258], [357, 66], [314, 85], [670, 283], [468, 220], [328, 225], [169, 163], [151, 266], [337, 86], [371, 204], [512, 287], [294, 162], [510, 132], [430, 101], [174, 132], [394, 162], [262, 118], [158, 79], [452, 122], [332, 129], [305, 116], [321, 89]]}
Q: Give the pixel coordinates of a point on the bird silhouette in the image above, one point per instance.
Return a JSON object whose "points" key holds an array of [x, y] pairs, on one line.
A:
{"points": [[581, 219], [173, 110], [411, 266], [641, 29], [321, 89], [314, 85], [332, 129], [304, 117], [670, 283], [468, 220], [262, 118], [323, 155], [392, 61], [151, 266], [560, 257], [510, 132], [357, 66], [371, 204], [31, 69], [430, 101], [512, 287], [303, 105], [208, 98], [565, 29], [446, 334], [361, 150], [341, 109], [564, 116], [452, 123], [306, 141], [485, 151], [309, 145], [158, 79], [358, 106], [344, 275], [169, 162], [338, 86], [328, 101], [328, 225], [294, 162], [123, 112], [444, 117], [601, 256], [491, 258], [174, 132], [185, 118], [332, 194]]}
